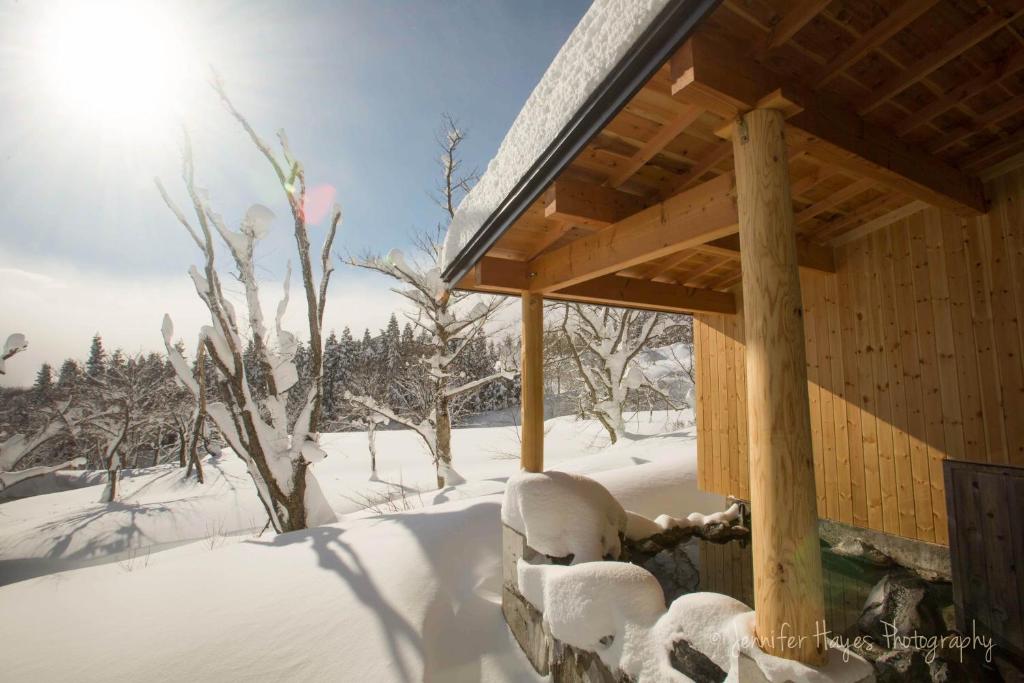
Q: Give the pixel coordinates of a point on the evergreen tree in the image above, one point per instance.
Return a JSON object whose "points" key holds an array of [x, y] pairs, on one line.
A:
{"points": [[332, 379], [96, 363], [43, 388], [69, 376]]}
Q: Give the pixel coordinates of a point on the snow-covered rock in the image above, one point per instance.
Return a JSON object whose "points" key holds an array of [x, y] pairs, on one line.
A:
{"points": [[562, 514]]}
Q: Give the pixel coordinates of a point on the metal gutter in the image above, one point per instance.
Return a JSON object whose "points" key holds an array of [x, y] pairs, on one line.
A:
{"points": [[658, 42]]}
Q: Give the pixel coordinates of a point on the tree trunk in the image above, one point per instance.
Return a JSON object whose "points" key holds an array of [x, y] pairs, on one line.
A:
{"points": [[612, 435], [113, 484], [443, 432], [371, 437], [182, 448]]}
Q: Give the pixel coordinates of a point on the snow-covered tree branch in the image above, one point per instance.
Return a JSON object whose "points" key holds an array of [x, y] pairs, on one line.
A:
{"points": [[278, 453], [603, 344], [449, 322]]}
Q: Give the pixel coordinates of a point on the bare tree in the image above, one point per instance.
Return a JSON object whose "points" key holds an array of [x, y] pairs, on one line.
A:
{"points": [[450, 326], [17, 447], [278, 458], [603, 344]]}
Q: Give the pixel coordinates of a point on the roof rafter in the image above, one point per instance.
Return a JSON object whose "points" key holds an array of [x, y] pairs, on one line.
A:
{"points": [[900, 18], [666, 134], [693, 217], [713, 72], [800, 13], [954, 47]]}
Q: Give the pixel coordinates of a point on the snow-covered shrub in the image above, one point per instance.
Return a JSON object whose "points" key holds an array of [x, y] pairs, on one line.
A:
{"points": [[277, 451]]}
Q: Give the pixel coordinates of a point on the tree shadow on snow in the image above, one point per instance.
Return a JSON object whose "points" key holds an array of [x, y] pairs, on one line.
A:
{"points": [[464, 620], [339, 557]]}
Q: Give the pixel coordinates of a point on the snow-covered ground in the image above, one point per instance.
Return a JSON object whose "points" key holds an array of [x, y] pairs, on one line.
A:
{"points": [[408, 595], [161, 509]]}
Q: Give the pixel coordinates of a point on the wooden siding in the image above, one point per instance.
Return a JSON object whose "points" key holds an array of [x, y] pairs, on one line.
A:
{"points": [[914, 354]]}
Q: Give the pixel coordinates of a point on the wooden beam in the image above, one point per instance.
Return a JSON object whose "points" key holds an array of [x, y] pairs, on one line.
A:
{"points": [[698, 215], [556, 230], [628, 292], [835, 199], [716, 155], [808, 255], [579, 203], [963, 91], [798, 15], [1009, 108], [994, 152], [503, 276], [666, 134], [826, 128], [531, 375], [897, 214], [899, 19], [496, 276], [951, 49], [709, 267], [788, 587], [882, 203]]}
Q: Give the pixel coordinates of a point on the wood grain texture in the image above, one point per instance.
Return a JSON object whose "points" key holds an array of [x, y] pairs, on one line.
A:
{"points": [[788, 588], [917, 341], [532, 379]]}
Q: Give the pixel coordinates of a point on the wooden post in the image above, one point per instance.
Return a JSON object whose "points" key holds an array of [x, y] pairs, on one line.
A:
{"points": [[532, 380], [788, 591]]}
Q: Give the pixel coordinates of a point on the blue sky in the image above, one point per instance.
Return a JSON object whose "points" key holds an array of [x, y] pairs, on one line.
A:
{"points": [[359, 86]]}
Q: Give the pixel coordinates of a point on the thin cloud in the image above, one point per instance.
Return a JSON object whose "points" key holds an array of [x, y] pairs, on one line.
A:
{"points": [[60, 308]]}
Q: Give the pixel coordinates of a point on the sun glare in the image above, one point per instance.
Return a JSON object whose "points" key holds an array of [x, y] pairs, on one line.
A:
{"points": [[120, 66]]}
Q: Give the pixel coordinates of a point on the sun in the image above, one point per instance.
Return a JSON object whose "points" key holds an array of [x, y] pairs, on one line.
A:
{"points": [[117, 66]]}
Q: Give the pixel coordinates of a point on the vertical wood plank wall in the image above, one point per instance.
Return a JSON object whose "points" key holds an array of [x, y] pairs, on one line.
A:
{"points": [[915, 353]]}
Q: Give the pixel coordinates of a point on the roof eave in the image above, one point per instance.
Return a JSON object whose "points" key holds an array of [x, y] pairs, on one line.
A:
{"points": [[653, 48]]}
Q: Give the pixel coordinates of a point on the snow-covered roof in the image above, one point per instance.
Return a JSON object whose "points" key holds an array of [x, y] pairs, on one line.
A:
{"points": [[602, 39]]}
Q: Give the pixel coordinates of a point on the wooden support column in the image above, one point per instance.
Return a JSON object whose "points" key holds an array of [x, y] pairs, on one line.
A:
{"points": [[788, 592], [531, 371]]}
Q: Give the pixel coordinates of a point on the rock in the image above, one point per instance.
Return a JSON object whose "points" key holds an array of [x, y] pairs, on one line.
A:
{"points": [[900, 604], [1010, 668], [862, 550], [526, 624], [694, 664], [897, 666], [572, 665], [674, 571]]}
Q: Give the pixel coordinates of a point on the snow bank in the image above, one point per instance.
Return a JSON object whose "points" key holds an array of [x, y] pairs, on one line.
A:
{"points": [[162, 509], [564, 514], [407, 596], [603, 36]]}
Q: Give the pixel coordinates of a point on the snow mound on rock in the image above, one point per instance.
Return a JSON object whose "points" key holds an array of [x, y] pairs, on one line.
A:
{"points": [[564, 514], [604, 607], [640, 527], [722, 628]]}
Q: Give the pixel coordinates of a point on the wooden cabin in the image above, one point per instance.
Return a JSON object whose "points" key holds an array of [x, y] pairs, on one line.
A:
{"points": [[834, 189]]}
